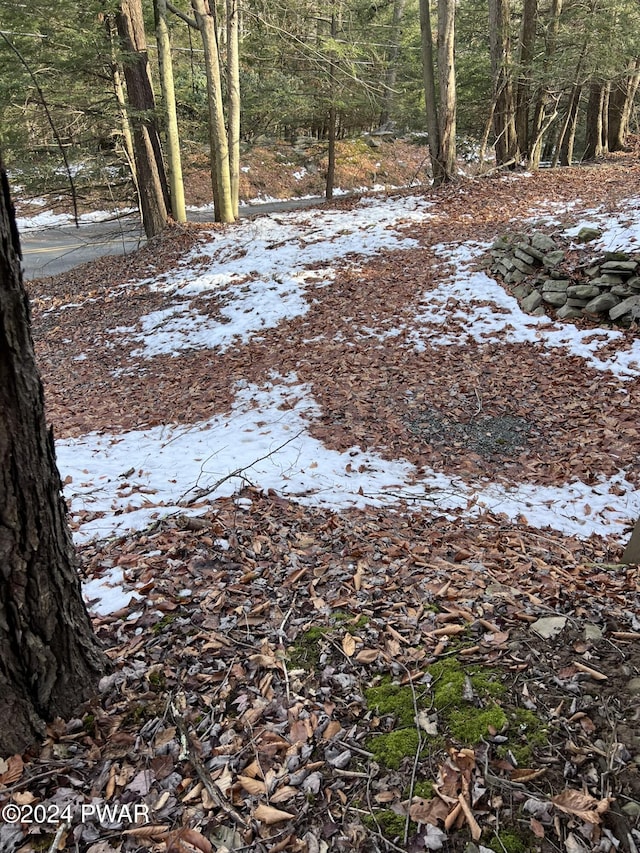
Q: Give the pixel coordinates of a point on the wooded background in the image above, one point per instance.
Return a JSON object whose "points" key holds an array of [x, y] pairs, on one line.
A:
{"points": [[126, 89]]}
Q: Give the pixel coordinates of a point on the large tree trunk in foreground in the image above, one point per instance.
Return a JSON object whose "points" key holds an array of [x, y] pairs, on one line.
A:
{"points": [[49, 657]]}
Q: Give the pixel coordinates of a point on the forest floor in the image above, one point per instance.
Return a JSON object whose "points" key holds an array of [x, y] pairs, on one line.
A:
{"points": [[393, 616]]}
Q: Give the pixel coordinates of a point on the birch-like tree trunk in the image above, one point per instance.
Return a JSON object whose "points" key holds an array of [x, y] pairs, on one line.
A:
{"points": [[50, 658], [233, 90], [620, 104], [174, 159], [220, 171]]}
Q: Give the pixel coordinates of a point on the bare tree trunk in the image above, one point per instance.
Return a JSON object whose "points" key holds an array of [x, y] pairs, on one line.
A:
{"points": [[506, 142], [118, 88], [392, 62], [165, 63], [220, 171], [233, 89], [447, 77], [523, 89], [152, 180], [620, 104], [567, 140], [49, 657], [541, 123], [594, 146], [431, 101]]}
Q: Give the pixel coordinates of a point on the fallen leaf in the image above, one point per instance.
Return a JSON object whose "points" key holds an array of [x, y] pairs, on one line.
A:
{"points": [[269, 815]]}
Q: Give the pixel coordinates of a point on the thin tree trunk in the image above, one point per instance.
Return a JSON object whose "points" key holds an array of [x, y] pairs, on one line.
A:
{"points": [[567, 141], [541, 123], [392, 62], [447, 77], [233, 88], [332, 123], [523, 90], [152, 179], [220, 171], [506, 143], [165, 63], [431, 102], [594, 142], [50, 659], [118, 88], [620, 104]]}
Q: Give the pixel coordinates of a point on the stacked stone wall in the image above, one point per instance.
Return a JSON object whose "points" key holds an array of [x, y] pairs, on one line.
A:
{"points": [[539, 273]]}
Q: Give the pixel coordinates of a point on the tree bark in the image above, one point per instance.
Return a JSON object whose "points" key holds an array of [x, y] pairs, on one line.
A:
{"points": [[152, 179], [165, 62], [620, 104], [447, 77], [523, 90], [541, 123], [233, 89], [431, 101], [220, 170], [506, 142], [49, 658], [595, 141], [391, 72]]}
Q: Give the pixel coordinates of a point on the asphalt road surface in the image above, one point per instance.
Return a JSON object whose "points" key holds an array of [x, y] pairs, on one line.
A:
{"points": [[59, 248]]}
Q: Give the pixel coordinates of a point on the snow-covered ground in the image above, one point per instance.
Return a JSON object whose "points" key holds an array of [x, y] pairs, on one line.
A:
{"points": [[260, 272]]}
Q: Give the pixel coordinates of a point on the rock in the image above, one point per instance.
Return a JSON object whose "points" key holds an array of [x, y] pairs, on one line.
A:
{"points": [[634, 283], [526, 268], [583, 291], [633, 685], [372, 142], [569, 312], [592, 632], [555, 298], [587, 233], [531, 302], [549, 626], [631, 809], [602, 303], [524, 256], [620, 267], [551, 259], [501, 244], [538, 254], [543, 242], [606, 280], [576, 303], [514, 277], [622, 290], [556, 285], [616, 256], [628, 306], [520, 291]]}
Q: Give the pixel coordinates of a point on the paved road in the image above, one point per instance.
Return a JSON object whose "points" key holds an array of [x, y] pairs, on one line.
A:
{"points": [[56, 249]]}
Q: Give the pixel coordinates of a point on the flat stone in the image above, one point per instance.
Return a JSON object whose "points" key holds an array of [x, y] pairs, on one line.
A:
{"points": [[521, 290], [557, 285], [587, 234], [592, 272], [617, 256], [522, 266], [569, 312], [583, 291], [628, 306], [524, 256], [634, 283], [601, 303], [538, 254], [501, 244], [606, 280], [549, 626], [543, 242], [633, 686], [514, 277], [622, 290], [592, 632], [553, 258], [531, 302], [555, 298], [576, 303], [620, 267]]}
